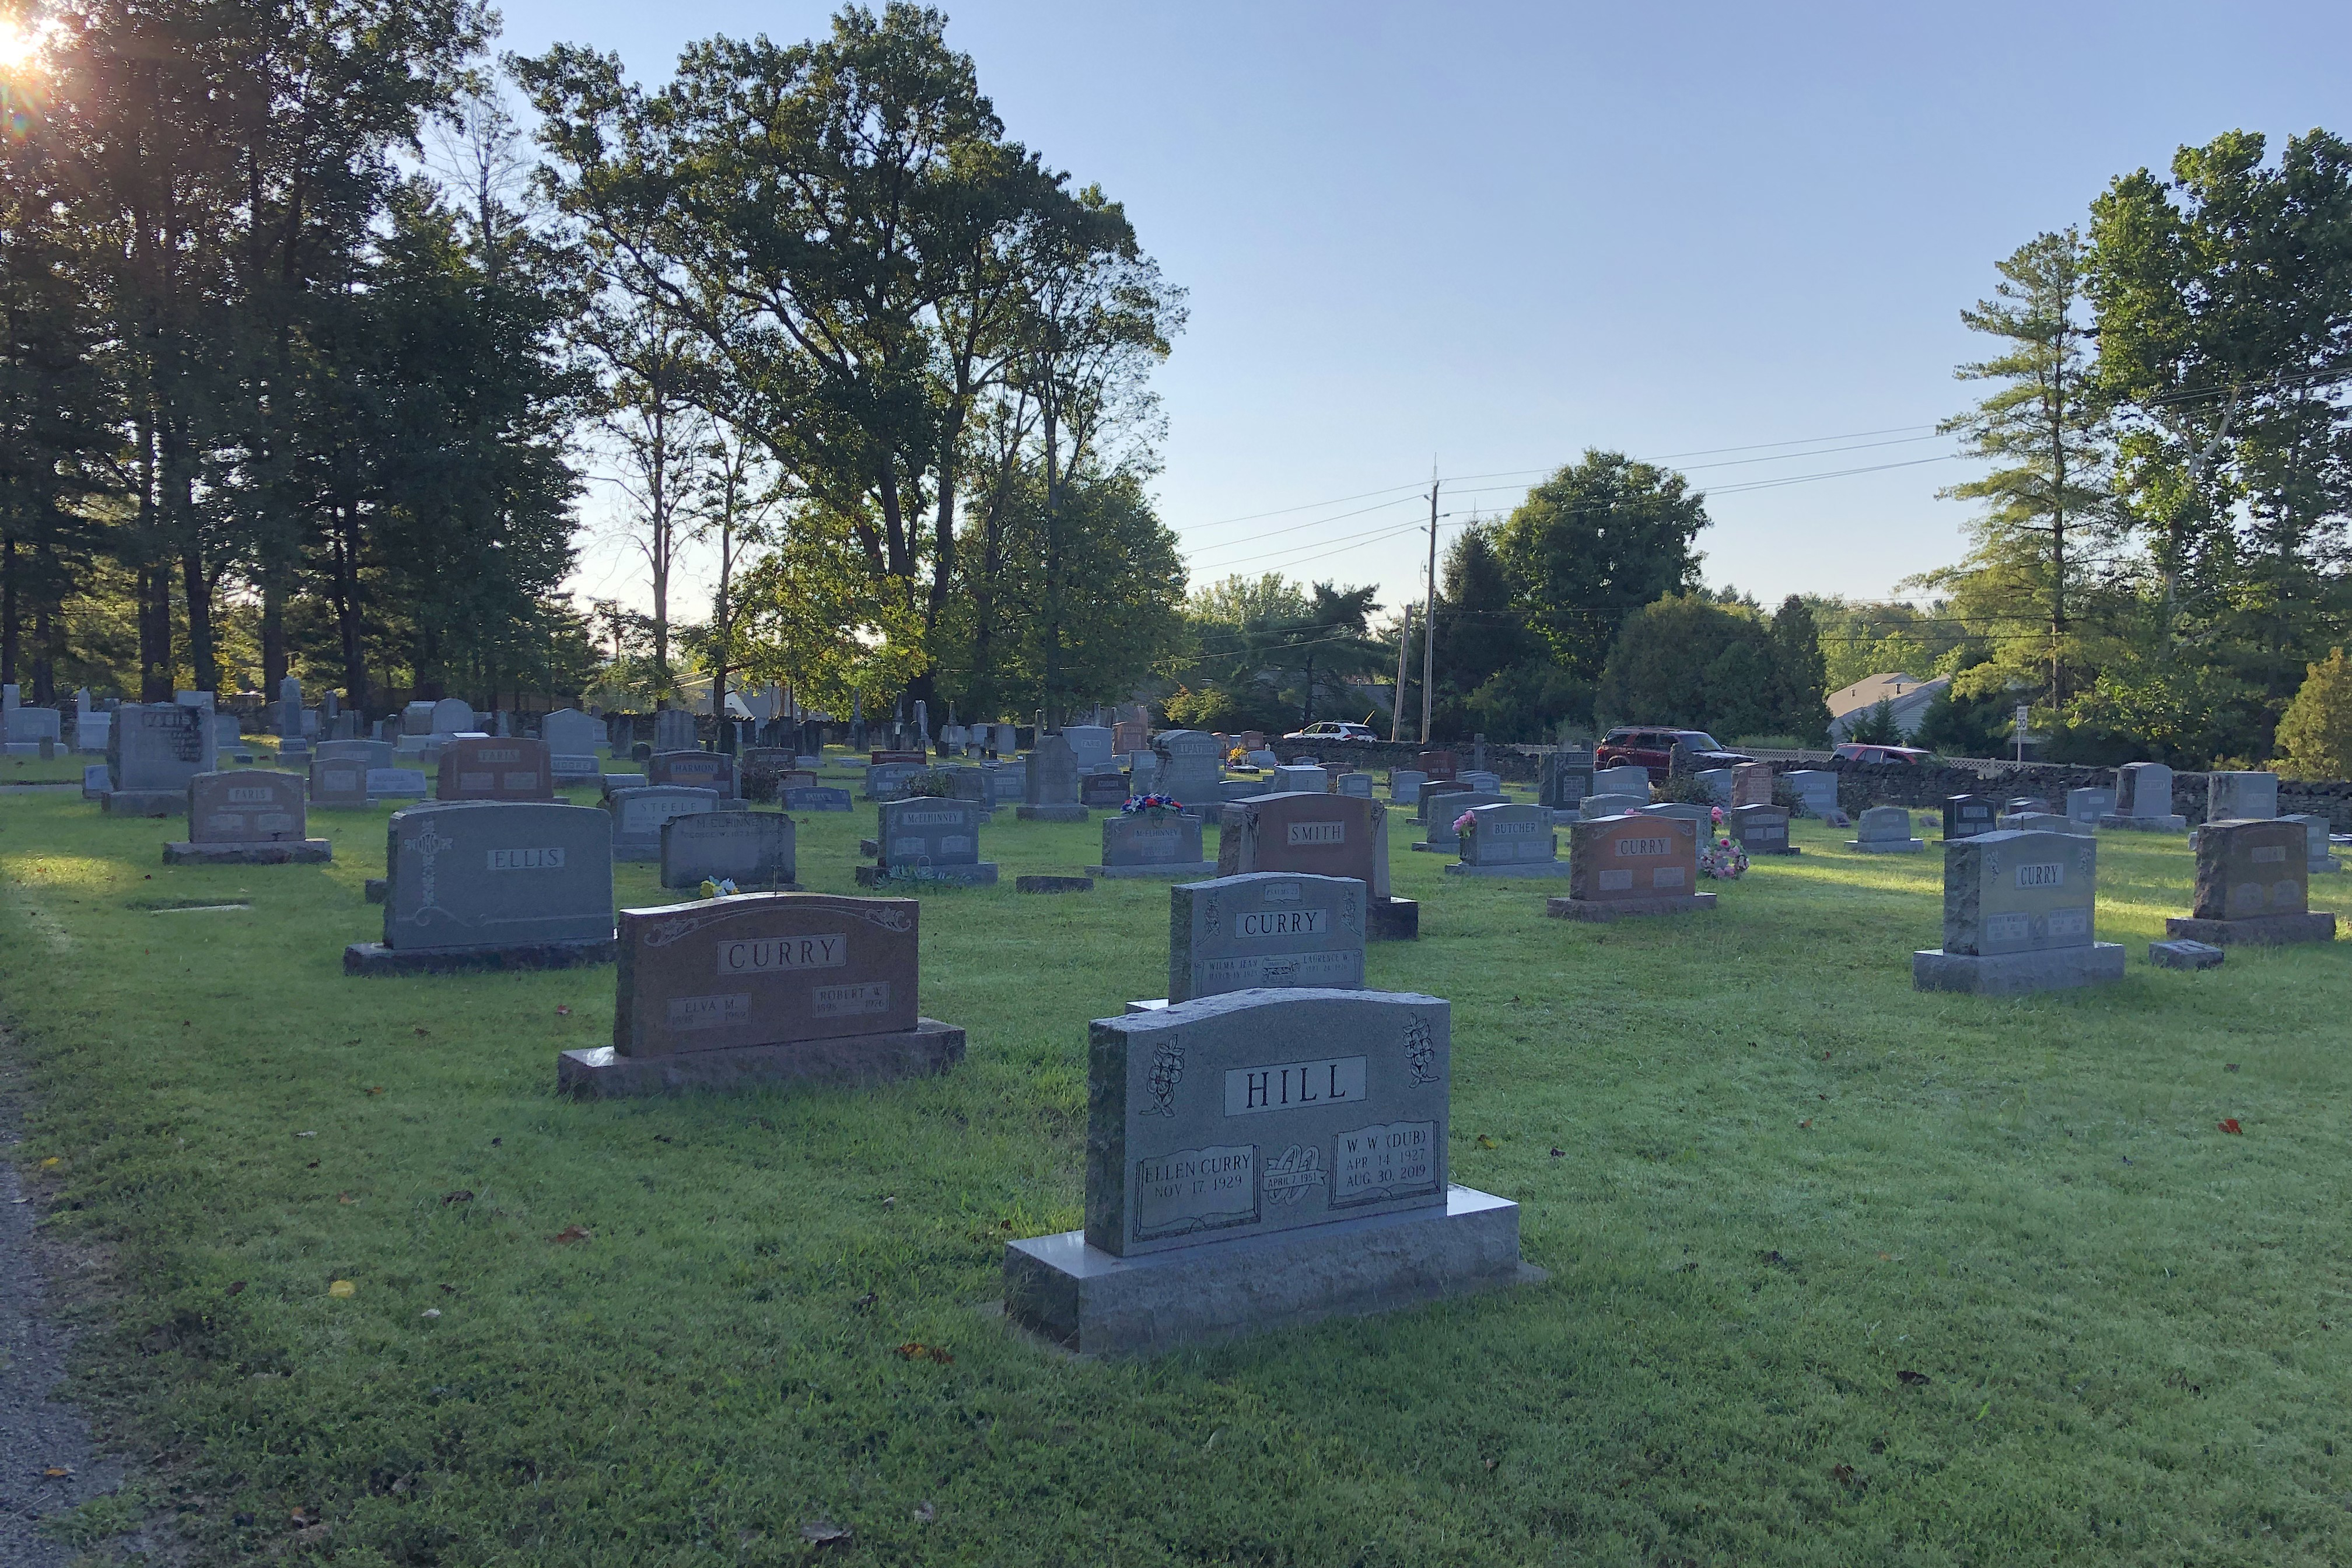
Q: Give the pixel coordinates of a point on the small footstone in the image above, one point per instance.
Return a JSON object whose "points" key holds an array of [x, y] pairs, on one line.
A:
{"points": [[1053, 884], [2185, 955]]}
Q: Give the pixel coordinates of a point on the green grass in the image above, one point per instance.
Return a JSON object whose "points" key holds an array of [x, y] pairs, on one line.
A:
{"points": [[1783, 1181], [66, 767]]}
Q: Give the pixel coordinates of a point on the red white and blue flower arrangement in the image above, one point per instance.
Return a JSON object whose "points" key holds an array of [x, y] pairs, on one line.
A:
{"points": [[1151, 804]]}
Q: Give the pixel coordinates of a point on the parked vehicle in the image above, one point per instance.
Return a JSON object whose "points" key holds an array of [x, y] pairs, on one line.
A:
{"points": [[1634, 745], [1854, 751], [1333, 731]]}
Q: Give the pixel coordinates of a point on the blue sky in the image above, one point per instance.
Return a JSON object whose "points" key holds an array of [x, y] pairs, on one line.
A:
{"points": [[1495, 235]]}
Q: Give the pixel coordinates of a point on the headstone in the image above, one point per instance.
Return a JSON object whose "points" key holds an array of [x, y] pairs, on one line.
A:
{"points": [[927, 839], [1264, 928], [1404, 786], [1089, 743], [1966, 815], [2249, 796], [2042, 822], [1717, 781], [1440, 836], [494, 769], [753, 849], [1260, 1159], [2019, 916], [451, 716], [493, 884], [2318, 860], [290, 709], [639, 812], [1151, 844], [395, 784], [1432, 792], [2143, 800], [1624, 780], [367, 753], [922, 735], [1817, 789], [674, 732], [1191, 767], [248, 819], [1142, 771], [90, 731], [1359, 784], [1594, 807], [571, 733], [1621, 866], [1762, 829], [416, 718], [1509, 841], [27, 728], [1885, 830], [338, 782], [815, 798], [95, 785], [1051, 792], [2090, 806], [156, 749], [1102, 791], [1437, 764], [737, 993], [201, 699], [1751, 784], [2254, 885], [1565, 778], [228, 735], [1481, 780], [1309, 780], [2185, 955], [1130, 736], [699, 770], [1319, 834]]}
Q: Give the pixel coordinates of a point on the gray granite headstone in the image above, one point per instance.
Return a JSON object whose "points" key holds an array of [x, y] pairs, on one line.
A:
{"points": [[1510, 836], [1191, 767], [453, 716], [1359, 784], [1624, 780], [2316, 849], [290, 709], [367, 753], [1052, 785], [1966, 815], [2020, 909], [1761, 829], [1312, 779], [1565, 778], [674, 731], [1718, 784], [2144, 798], [1594, 807], [248, 806], [638, 814], [753, 849], [1404, 786], [338, 781], [477, 874], [416, 718], [928, 836], [2246, 796], [571, 733], [1817, 789], [1139, 843], [819, 797], [2090, 804], [1264, 928], [1886, 829], [888, 781], [396, 783], [1442, 836], [1089, 743], [159, 746]]}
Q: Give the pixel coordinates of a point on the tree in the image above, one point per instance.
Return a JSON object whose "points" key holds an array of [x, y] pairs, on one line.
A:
{"points": [[1799, 674], [2314, 736], [1689, 660], [1595, 543], [2046, 431]]}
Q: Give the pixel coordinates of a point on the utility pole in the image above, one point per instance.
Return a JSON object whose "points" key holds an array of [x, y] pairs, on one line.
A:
{"points": [[1404, 646], [1429, 620]]}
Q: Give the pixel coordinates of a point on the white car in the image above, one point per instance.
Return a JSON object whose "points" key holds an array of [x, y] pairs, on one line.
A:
{"points": [[1333, 732]]}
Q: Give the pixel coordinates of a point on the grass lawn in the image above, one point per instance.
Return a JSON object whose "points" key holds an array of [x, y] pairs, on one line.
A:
{"points": [[1840, 1274]]}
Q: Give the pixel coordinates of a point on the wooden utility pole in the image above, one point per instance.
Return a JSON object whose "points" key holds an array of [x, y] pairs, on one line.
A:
{"points": [[1404, 646], [1429, 619]]}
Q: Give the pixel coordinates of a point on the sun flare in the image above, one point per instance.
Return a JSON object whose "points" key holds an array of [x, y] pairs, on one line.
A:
{"points": [[20, 46]]}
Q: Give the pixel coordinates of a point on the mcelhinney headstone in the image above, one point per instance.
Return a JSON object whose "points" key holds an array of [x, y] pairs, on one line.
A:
{"points": [[1151, 844], [154, 750], [753, 849], [2020, 912], [699, 770], [638, 814], [733, 993], [1966, 815], [250, 817], [1509, 840], [495, 769], [1265, 929], [2253, 886], [2243, 797], [1260, 1159], [1885, 830], [1636, 864], [1442, 837], [1051, 791], [927, 838], [1762, 829], [492, 885], [1191, 767], [2143, 800]]}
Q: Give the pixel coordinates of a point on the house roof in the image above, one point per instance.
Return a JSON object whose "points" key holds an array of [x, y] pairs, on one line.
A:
{"points": [[1872, 689]]}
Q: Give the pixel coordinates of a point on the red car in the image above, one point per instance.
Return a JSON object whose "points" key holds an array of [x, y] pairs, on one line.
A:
{"points": [[1641, 747], [1854, 752]]}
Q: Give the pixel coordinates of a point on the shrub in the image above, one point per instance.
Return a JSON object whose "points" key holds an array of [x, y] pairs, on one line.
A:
{"points": [[2314, 737]]}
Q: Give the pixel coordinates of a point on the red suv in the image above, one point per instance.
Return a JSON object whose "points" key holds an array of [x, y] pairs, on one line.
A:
{"points": [[1633, 746]]}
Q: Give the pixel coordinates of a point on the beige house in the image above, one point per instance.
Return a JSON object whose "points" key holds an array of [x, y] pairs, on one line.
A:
{"points": [[1851, 705]]}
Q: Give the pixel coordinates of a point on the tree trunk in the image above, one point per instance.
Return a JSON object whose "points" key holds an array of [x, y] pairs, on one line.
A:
{"points": [[273, 636], [156, 674], [8, 621]]}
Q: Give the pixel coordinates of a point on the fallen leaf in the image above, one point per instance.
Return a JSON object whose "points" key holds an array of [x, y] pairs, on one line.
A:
{"points": [[2230, 1124], [52, 1161], [915, 1350], [342, 1289], [1484, 1142], [1807, 1121], [1558, 1153], [56, 1471], [2229, 1067], [562, 1012], [1913, 1378], [430, 1313], [571, 1233], [925, 1513], [461, 1195], [345, 1198], [375, 1088], [1886, 1258], [236, 1288], [825, 1532]]}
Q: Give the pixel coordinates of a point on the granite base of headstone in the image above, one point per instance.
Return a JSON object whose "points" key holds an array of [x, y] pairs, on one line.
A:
{"points": [[1257, 1160], [2255, 931], [2020, 912], [765, 989], [2186, 955]]}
